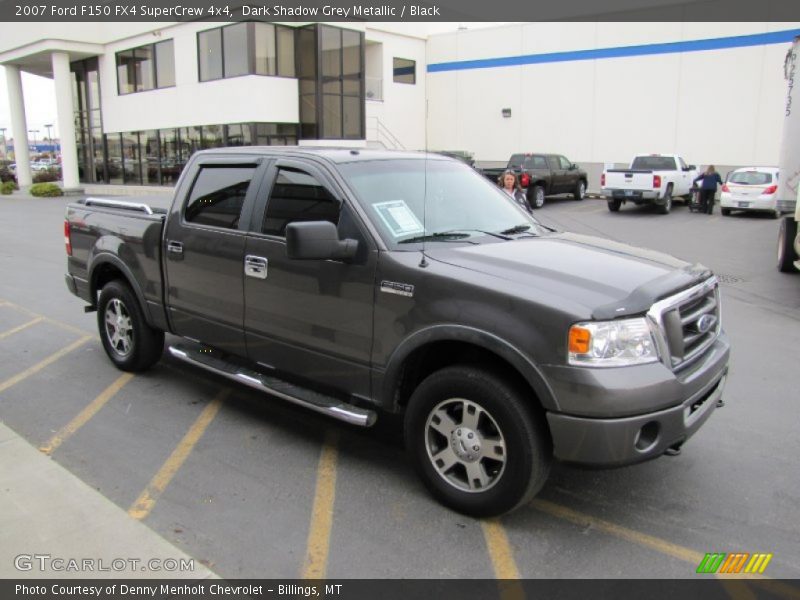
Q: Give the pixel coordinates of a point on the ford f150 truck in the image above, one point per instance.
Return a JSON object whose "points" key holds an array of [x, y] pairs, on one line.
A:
{"points": [[543, 175], [358, 283], [651, 178]]}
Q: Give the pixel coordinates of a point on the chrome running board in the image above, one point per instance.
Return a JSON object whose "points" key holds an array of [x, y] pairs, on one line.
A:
{"points": [[320, 403]]}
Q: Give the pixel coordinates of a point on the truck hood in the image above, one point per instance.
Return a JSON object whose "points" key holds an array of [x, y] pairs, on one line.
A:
{"points": [[610, 279]]}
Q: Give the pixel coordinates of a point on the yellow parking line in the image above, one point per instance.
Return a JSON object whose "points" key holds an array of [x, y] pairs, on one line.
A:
{"points": [[649, 541], [41, 365], [55, 322], [630, 535], [30, 323], [499, 550], [148, 498], [319, 534], [87, 413]]}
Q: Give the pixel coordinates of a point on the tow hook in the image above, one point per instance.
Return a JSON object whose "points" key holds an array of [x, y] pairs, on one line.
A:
{"points": [[720, 403], [674, 450]]}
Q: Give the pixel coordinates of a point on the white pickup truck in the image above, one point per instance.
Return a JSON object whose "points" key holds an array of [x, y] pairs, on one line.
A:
{"points": [[651, 179]]}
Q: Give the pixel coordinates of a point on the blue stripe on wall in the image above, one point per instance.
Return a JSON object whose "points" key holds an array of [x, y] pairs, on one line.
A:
{"points": [[740, 41]]}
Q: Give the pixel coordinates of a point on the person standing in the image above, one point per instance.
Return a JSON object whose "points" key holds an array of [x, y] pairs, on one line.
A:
{"points": [[708, 189], [510, 185]]}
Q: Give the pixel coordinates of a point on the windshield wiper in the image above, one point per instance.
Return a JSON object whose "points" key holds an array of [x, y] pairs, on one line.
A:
{"points": [[439, 236], [522, 228]]}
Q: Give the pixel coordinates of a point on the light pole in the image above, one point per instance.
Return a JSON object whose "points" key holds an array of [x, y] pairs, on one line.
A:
{"points": [[49, 137], [34, 132], [5, 145]]}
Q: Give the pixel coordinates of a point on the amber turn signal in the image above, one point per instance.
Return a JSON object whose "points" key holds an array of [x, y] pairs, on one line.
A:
{"points": [[579, 339]]}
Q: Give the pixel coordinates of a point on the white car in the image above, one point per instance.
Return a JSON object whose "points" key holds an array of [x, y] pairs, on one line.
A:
{"points": [[751, 189]]}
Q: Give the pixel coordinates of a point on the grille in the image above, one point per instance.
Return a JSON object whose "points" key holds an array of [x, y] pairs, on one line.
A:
{"points": [[690, 322]]}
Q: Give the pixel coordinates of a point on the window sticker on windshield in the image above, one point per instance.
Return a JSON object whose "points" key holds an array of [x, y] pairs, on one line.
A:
{"points": [[399, 218]]}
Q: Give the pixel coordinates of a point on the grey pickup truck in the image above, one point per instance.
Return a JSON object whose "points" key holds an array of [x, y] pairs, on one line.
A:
{"points": [[359, 283]]}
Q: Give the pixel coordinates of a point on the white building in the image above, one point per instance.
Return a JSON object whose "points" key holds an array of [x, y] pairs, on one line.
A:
{"points": [[145, 95]]}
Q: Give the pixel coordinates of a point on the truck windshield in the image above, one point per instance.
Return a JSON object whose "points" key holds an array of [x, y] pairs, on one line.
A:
{"points": [[654, 163], [439, 201]]}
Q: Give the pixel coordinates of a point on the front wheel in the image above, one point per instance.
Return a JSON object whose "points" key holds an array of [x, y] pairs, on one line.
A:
{"points": [[786, 254], [130, 343], [477, 446]]}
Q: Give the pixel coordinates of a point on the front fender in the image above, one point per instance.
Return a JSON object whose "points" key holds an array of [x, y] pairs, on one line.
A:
{"points": [[482, 339]]}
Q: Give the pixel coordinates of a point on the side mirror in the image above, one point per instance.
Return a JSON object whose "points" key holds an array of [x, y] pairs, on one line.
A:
{"points": [[573, 166], [317, 240], [692, 167]]}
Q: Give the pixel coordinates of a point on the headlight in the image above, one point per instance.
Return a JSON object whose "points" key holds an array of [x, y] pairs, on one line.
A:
{"points": [[612, 343]]}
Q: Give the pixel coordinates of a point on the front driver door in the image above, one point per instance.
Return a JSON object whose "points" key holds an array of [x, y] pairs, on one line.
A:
{"points": [[309, 320]]}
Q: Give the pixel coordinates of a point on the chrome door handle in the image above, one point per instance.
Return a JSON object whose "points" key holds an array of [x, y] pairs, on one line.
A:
{"points": [[255, 266], [175, 247]]}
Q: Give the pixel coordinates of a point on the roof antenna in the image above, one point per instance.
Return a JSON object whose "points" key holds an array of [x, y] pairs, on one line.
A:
{"points": [[423, 263]]}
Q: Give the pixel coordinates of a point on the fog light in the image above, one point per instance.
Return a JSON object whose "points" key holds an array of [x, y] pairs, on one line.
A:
{"points": [[647, 436]]}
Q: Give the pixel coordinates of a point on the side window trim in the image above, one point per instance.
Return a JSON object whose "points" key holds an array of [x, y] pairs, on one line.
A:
{"points": [[298, 165], [247, 205]]}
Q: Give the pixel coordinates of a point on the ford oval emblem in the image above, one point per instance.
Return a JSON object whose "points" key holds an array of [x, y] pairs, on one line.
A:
{"points": [[705, 323]]}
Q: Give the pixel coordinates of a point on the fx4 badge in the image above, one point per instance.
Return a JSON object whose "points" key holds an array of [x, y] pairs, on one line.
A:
{"points": [[401, 289]]}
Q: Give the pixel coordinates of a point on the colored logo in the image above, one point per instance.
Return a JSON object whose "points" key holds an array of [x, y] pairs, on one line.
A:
{"points": [[705, 323], [736, 562]]}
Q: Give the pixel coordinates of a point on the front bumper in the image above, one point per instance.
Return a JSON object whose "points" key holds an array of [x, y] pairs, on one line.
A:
{"points": [[671, 408], [618, 442]]}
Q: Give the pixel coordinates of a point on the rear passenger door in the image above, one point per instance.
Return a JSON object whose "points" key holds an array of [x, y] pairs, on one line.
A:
{"points": [[309, 320], [203, 251], [557, 175]]}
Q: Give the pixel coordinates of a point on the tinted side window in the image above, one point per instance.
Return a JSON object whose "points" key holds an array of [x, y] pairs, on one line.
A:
{"points": [[218, 195], [565, 164], [538, 162], [298, 196], [553, 163]]}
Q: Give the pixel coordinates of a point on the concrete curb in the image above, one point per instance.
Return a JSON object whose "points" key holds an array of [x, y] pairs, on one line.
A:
{"points": [[45, 510]]}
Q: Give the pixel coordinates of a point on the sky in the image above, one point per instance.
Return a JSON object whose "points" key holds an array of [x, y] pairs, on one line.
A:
{"points": [[40, 104]]}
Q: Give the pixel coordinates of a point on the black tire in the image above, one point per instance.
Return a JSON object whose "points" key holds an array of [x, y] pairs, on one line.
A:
{"points": [[130, 343], [536, 196], [504, 425], [786, 236], [726, 212], [666, 206], [580, 190], [613, 205]]}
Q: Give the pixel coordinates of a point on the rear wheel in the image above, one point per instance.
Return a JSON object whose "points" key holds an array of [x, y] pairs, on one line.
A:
{"points": [[477, 446], [726, 212], [786, 254], [130, 343], [580, 190], [536, 196], [666, 206], [613, 205]]}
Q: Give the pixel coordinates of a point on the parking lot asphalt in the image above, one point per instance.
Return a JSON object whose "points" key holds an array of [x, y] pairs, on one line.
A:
{"points": [[252, 487]]}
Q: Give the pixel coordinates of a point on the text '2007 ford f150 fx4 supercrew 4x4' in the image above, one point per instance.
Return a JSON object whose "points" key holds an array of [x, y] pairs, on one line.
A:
{"points": [[358, 283]]}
